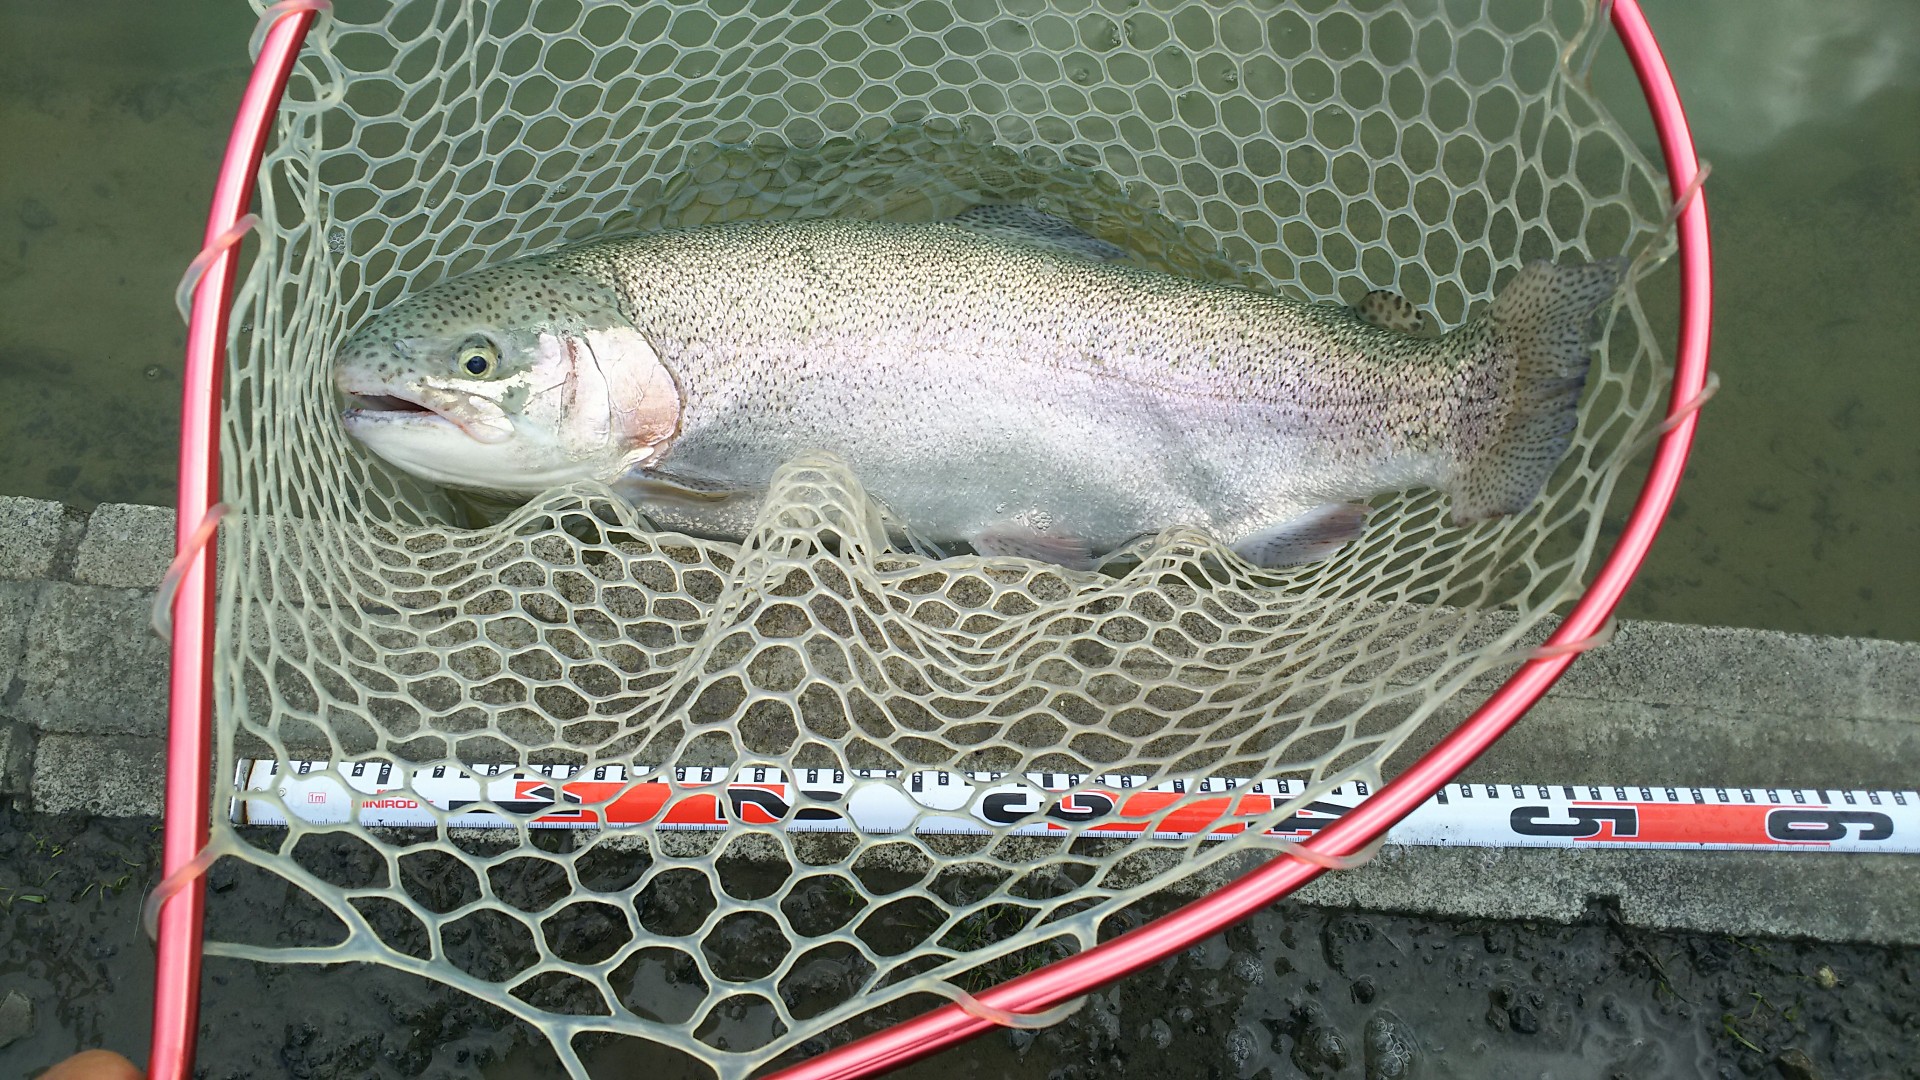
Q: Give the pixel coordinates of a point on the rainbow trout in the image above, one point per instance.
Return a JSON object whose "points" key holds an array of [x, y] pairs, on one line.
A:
{"points": [[999, 379]]}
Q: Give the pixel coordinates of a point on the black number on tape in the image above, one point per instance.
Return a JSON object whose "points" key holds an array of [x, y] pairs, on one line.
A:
{"points": [[1538, 821], [1827, 824]]}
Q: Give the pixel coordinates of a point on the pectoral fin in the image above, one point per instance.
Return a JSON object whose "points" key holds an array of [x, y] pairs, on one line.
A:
{"points": [[1015, 540], [1309, 537], [644, 487]]}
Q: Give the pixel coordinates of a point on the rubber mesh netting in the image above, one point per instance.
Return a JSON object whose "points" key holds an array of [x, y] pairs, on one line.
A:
{"points": [[1320, 149]]}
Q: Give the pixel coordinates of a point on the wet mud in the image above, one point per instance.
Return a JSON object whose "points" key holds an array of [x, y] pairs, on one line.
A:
{"points": [[1294, 992]]}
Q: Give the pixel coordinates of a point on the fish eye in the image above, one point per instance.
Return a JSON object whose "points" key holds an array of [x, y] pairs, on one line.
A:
{"points": [[476, 358]]}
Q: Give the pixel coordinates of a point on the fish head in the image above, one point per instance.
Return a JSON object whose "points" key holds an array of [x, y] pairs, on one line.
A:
{"points": [[514, 379]]}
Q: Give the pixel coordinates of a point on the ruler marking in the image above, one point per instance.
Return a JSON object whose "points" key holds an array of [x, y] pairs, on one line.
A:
{"points": [[708, 797]]}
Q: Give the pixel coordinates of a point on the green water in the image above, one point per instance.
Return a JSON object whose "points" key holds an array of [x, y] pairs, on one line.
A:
{"points": [[1800, 510], [113, 118], [1801, 507]]}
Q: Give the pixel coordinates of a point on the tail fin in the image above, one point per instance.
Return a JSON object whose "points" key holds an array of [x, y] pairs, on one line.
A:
{"points": [[1538, 329]]}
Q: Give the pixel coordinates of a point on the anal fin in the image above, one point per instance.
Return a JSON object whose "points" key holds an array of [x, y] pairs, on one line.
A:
{"points": [[1069, 551], [1309, 537]]}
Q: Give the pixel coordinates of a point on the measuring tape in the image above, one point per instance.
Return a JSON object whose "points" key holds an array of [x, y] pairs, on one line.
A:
{"points": [[931, 801]]}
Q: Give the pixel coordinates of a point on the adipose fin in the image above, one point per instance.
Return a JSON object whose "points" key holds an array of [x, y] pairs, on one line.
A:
{"points": [[1037, 228]]}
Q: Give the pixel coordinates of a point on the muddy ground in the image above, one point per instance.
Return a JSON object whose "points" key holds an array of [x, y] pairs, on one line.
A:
{"points": [[1296, 992]]}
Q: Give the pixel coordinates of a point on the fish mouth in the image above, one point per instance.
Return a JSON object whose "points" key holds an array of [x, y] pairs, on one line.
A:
{"points": [[388, 408], [392, 408], [385, 403]]}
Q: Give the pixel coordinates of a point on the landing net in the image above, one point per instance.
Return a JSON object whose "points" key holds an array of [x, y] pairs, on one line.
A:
{"points": [[1321, 150]]}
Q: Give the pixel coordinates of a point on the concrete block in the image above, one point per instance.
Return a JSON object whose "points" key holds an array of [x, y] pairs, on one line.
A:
{"points": [[1732, 669], [1588, 740], [1830, 897], [1698, 746], [37, 538], [16, 757], [17, 601], [117, 776], [1724, 668], [125, 546], [93, 664]]}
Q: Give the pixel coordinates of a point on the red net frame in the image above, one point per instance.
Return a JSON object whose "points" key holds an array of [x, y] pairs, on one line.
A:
{"points": [[177, 970]]}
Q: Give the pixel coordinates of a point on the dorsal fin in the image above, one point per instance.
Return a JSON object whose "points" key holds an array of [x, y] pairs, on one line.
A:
{"points": [[1390, 311], [1037, 228]]}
